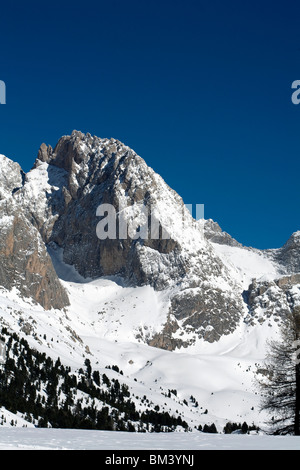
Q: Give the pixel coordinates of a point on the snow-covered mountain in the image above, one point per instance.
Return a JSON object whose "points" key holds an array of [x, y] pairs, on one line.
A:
{"points": [[61, 196], [183, 310]]}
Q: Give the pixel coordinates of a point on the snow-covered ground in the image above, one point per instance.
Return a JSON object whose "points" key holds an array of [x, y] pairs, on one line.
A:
{"points": [[70, 439], [99, 325], [246, 264], [109, 323]]}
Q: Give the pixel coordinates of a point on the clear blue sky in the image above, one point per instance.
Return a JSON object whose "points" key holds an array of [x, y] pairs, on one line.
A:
{"points": [[200, 89]]}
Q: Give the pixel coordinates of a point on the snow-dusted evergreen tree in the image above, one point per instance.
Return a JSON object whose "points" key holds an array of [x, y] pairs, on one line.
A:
{"points": [[280, 384]]}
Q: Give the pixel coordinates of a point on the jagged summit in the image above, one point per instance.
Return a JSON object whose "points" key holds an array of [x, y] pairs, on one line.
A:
{"points": [[71, 150], [61, 195]]}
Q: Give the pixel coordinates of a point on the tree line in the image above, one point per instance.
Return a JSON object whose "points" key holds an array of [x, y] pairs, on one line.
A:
{"points": [[47, 393]]}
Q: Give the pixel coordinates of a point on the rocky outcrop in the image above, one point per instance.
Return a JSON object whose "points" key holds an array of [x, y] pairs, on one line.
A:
{"points": [[275, 299], [288, 256], [275, 292], [26, 265], [215, 234], [202, 312], [24, 261], [11, 177]]}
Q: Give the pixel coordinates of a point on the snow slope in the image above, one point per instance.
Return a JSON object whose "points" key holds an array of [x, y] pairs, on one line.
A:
{"points": [[101, 323], [246, 264]]}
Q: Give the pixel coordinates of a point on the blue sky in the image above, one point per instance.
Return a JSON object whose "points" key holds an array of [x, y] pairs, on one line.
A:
{"points": [[200, 89]]}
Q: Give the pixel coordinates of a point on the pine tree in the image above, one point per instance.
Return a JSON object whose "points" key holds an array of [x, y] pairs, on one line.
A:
{"points": [[210, 428], [245, 427], [281, 382]]}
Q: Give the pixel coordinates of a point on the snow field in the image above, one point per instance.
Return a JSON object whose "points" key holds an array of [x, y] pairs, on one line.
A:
{"points": [[70, 439]]}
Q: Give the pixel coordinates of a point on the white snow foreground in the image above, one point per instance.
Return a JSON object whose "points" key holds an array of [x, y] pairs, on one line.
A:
{"points": [[74, 439]]}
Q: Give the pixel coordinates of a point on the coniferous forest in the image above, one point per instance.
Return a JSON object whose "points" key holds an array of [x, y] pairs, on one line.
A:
{"points": [[48, 394]]}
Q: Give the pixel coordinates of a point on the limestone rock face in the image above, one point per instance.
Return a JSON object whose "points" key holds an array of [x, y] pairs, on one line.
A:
{"points": [[11, 177], [288, 256], [276, 299], [24, 260], [92, 172], [215, 234], [26, 265]]}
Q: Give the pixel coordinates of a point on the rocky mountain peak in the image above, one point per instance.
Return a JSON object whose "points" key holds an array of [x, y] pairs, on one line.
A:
{"points": [[77, 148], [62, 195], [293, 241], [89, 161]]}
